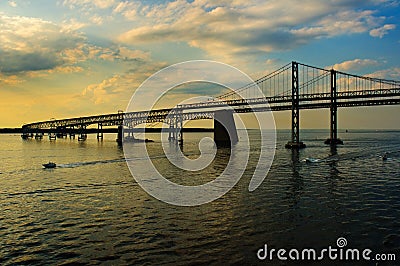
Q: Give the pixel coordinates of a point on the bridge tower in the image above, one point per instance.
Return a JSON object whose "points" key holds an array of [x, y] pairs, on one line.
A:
{"points": [[333, 140], [295, 143]]}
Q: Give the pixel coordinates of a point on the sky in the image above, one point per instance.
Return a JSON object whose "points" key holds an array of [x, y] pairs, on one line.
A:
{"points": [[72, 58]]}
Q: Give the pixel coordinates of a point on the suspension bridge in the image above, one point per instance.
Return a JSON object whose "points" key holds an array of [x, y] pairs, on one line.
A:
{"points": [[293, 87]]}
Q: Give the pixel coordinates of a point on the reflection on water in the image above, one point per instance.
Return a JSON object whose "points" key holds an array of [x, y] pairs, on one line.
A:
{"points": [[90, 210]]}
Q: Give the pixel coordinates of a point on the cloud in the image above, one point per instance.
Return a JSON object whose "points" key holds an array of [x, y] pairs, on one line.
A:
{"points": [[12, 3], [34, 45], [73, 25], [10, 80], [382, 31], [128, 9], [225, 29], [121, 53], [97, 3], [391, 74], [118, 89], [97, 20], [31, 44], [355, 64], [100, 93]]}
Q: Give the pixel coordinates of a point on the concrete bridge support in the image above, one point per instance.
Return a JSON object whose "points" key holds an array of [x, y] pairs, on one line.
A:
{"points": [[82, 133], [171, 132], [72, 132], [225, 134], [175, 127], [99, 131], [120, 135], [52, 135], [39, 135]]}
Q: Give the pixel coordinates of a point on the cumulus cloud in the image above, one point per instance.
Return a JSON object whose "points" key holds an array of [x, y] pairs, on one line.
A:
{"points": [[391, 74], [355, 64], [119, 87], [97, 20], [12, 3], [35, 45], [31, 44], [10, 79], [227, 28], [382, 31], [100, 93], [73, 25]]}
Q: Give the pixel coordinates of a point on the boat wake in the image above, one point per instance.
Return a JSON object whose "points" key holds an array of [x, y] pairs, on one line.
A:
{"points": [[390, 153], [78, 164]]}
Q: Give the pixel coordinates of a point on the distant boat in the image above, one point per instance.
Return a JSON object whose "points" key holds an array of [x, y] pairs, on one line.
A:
{"points": [[49, 165], [133, 139], [311, 160]]}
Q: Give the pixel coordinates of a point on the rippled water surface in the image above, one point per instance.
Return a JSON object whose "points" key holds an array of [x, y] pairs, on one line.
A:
{"points": [[90, 210]]}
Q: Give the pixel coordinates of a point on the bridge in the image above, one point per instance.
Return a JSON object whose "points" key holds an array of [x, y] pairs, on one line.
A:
{"points": [[294, 87]]}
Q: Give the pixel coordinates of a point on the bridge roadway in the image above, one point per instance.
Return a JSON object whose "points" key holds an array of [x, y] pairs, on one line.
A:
{"points": [[205, 110]]}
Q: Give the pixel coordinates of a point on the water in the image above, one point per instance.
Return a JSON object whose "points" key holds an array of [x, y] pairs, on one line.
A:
{"points": [[90, 210]]}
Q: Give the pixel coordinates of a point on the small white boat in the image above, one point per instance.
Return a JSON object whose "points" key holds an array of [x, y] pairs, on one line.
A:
{"points": [[49, 165], [311, 160]]}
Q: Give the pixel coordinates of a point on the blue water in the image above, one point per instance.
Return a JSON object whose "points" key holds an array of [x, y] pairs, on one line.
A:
{"points": [[90, 210]]}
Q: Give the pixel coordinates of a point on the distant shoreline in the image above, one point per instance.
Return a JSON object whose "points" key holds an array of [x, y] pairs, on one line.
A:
{"points": [[189, 129], [109, 130], [10, 130]]}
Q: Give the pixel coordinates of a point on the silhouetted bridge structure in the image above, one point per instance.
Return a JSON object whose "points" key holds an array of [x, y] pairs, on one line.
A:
{"points": [[294, 86]]}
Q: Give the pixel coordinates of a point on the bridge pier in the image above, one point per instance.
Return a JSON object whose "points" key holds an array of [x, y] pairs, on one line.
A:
{"points": [[26, 135], [171, 132], [52, 132], [52, 135], [61, 132], [71, 132], [178, 128], [295, 143], [175, 127], [82, 133], [39, 135], [225, 134], [120, 135], [99, 131]]}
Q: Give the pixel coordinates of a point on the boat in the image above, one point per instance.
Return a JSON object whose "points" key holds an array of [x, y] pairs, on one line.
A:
{"points": [[49, 165], [311, 160], [135, 140]]}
